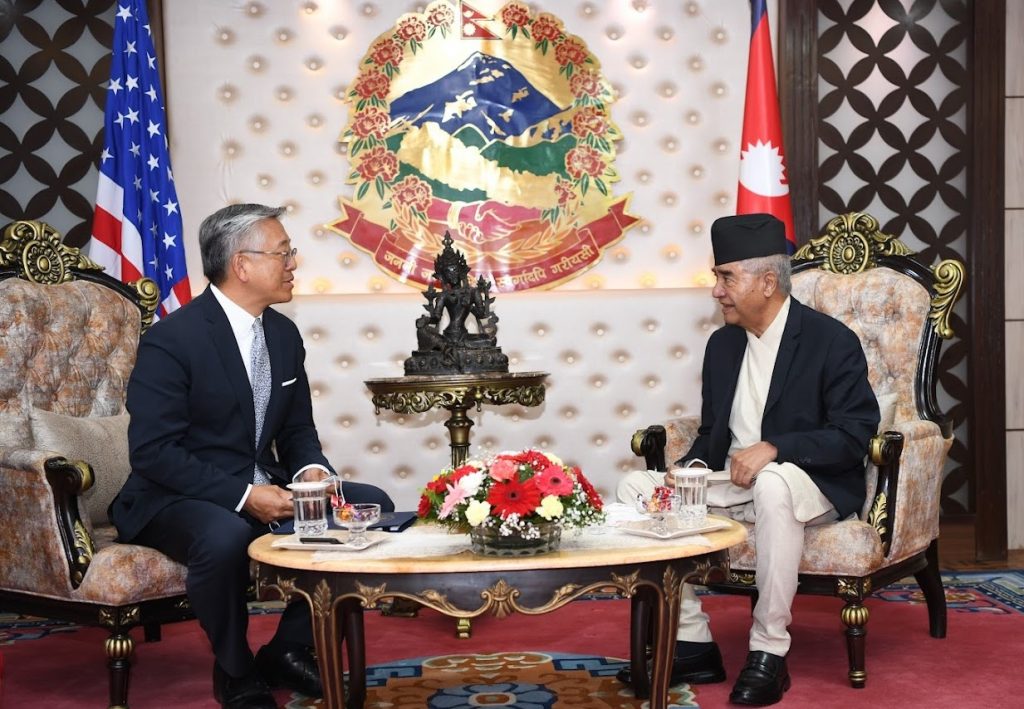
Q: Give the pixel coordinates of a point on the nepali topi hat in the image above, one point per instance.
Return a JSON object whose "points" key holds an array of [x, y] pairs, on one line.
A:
{"points": [[747, 236]]}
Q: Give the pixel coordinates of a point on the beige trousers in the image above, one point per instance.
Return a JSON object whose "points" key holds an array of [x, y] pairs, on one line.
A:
{"points": [[778, 537]]}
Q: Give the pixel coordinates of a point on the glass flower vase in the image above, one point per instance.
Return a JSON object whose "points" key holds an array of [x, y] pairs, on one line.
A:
{"points": [[487, 541]]}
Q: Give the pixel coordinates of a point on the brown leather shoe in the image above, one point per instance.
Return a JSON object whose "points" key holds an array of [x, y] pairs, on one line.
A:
{"points": [[762, 681], [703, 668], [248, 692]]}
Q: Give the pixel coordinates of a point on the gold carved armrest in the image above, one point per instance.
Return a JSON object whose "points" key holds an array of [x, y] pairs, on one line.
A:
{"points": [[46, 547]]}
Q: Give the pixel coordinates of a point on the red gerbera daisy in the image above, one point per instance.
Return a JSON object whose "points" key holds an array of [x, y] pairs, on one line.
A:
{"points": [[514, 497], [552, 480]]}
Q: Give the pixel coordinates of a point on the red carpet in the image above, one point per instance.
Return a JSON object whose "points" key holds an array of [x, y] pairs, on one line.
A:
{"points": [[977, 665]]}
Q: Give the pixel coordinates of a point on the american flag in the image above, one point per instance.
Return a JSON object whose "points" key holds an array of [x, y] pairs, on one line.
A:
{"points": [[137, 230]]}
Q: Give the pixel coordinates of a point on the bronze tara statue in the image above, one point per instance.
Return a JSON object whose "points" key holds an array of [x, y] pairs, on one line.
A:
{"points": [[454, 349]]}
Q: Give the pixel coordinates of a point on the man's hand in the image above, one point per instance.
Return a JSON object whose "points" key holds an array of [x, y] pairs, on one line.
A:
{"points": [[747, 463], [268, 503]]}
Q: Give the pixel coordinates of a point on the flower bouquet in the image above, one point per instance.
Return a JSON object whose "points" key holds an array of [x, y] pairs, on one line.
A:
{"points": [[512, 503]]}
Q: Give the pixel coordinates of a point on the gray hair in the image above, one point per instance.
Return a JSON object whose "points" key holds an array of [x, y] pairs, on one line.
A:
{"points": [[226, 231], [779, 264]]}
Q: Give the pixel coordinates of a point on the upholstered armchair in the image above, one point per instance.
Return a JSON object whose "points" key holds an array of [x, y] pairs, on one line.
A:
{"points": [[68, 337], [901, 310]]}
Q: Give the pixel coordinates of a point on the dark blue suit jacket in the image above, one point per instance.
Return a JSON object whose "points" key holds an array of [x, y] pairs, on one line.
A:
{"points": [[820, 413], [193, 424]]}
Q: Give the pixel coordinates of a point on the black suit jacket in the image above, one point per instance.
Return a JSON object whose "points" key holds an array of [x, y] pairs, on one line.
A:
{"points": [[193, 424], [820, 413]]}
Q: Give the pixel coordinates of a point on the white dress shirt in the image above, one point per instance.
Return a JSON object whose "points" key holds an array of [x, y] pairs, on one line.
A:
{"points": [[241, 327]]}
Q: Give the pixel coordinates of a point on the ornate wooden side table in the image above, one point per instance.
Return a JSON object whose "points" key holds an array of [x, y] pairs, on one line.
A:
{"points": [[457, 393]]}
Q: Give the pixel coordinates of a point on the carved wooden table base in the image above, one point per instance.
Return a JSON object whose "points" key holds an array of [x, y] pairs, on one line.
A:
{"points": [[463, 586]]}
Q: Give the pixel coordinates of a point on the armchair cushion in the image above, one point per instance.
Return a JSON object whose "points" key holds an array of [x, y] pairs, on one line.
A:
{"points": [[127, 573], [101, 441], [847, 548]]}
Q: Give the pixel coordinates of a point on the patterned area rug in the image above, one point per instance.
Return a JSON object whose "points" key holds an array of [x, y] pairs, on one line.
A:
{"points": [[566, 660], [966, 592], [519, 680], [969, 592]]}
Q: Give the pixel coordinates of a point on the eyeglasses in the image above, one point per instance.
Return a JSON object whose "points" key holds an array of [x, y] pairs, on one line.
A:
{"points": [[284, 255]]}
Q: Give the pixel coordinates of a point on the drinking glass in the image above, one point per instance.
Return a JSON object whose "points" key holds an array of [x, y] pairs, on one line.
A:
{"points": [[310, 500], [360, 515], [692, 491], [312, 490]]}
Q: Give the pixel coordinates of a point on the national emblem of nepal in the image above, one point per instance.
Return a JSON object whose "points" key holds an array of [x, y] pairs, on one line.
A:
{"points": [[505, 143]]}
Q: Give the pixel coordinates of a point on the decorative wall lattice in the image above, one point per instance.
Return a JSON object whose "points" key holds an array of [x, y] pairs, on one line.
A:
{"points": [[53, 69], [893, 85]]}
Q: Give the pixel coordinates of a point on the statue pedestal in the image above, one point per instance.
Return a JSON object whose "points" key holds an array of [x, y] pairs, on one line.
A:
{"points": [[457, 393]]}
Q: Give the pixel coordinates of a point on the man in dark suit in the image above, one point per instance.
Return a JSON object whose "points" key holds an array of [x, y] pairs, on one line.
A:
{"points": [[221, 419], [786, 417]]}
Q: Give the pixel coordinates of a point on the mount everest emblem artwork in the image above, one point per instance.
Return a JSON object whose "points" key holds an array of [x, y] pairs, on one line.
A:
{"points": [[506, 143]]}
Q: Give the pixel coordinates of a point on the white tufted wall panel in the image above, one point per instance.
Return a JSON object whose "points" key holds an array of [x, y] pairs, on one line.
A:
{"points": [[618, 361], [253, 97]]}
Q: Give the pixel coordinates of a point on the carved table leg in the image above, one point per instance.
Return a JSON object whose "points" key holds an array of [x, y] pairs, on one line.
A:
{"points": [[639, 630], [355, 641], [666, 623], [328, 630]]}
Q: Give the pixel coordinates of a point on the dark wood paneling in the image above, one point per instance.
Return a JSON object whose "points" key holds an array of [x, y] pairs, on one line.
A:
{"points": [[985, 394], [798, 103], [985, 247]]}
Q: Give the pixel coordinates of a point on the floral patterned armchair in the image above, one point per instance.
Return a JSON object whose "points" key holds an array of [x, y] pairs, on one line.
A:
{"points": [[68, 337], [900, 309]]}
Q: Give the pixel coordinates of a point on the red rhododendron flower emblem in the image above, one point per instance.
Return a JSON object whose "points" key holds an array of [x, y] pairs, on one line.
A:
{"points": [[563, 189], [589, 120], [373, 83], [386, 51], [411, 29], [378, 162], [515, 15], [570, 52], [412, 192], [585, 83], [439, 15], [514, 497], [583, 160], [546, 26], [371, 121]]}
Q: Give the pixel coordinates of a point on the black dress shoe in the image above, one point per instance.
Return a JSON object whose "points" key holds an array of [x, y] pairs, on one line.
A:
{"points": [[762, 680], [248, 692], [295, 669], [703, 668]]}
